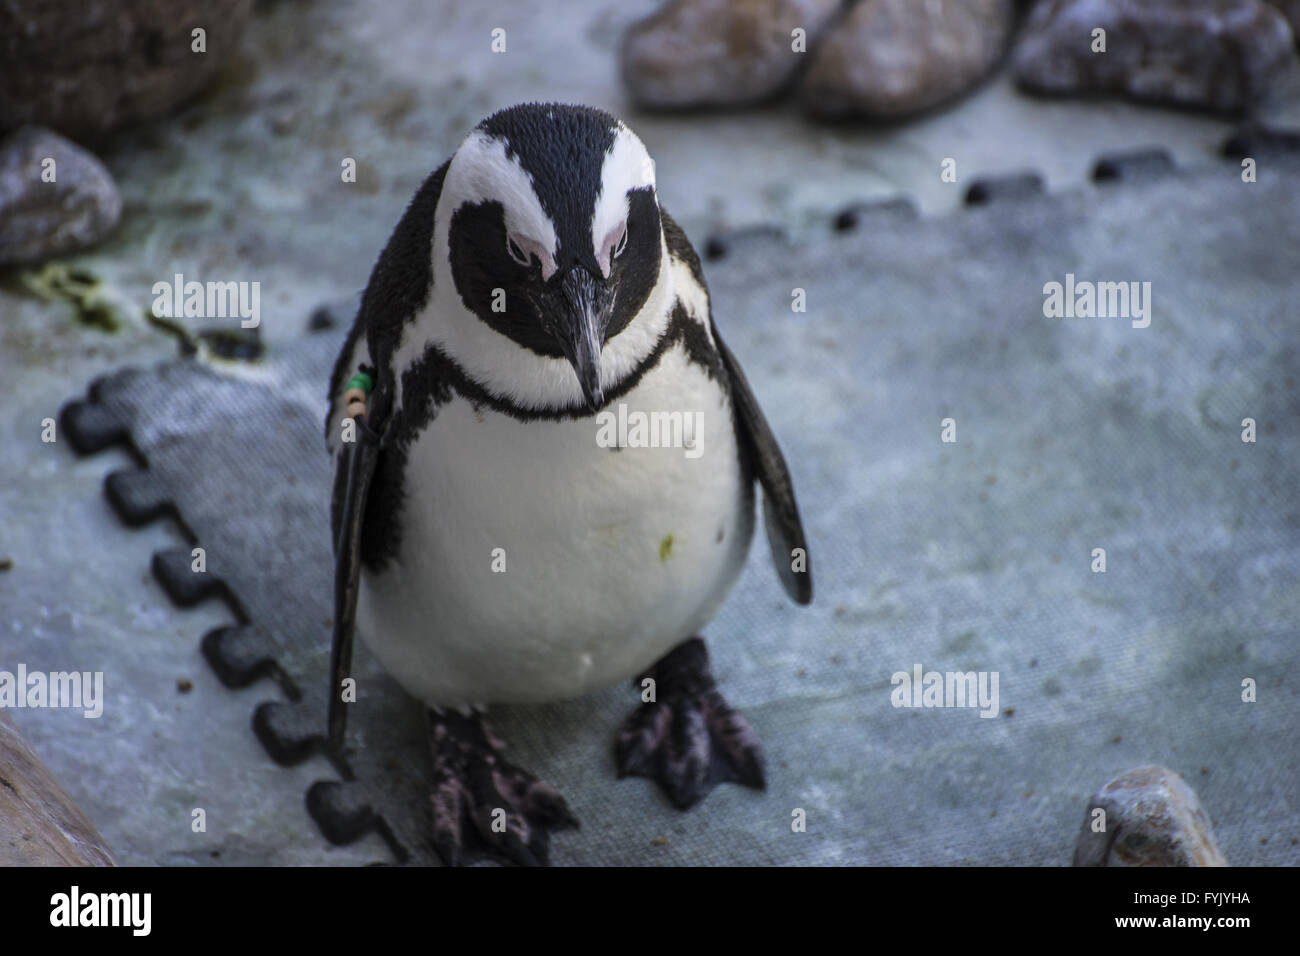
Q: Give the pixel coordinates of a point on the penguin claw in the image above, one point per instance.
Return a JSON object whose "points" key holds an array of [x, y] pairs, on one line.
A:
{"points": [[689, 739], [484, 804]]}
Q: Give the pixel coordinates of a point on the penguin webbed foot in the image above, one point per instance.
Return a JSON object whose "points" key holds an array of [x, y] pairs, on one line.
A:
{"points": [[483, 803], [689, 739]]}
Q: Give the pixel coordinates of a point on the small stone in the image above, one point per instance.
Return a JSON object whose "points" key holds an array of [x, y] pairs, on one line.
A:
{"points": [[6, 564], [1010, 186], [1291, 10], [885, 212], [320, 320], [1256, 140], [891, 58], [284, 122], [184, 686], [719, 52], [1152, 818], [47, 219], [720, 245], [1216, 55]]}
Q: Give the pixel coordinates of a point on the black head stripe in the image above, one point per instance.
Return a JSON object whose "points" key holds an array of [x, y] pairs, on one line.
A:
{"points": [[563, 149], [491, 284], [637, 270]]}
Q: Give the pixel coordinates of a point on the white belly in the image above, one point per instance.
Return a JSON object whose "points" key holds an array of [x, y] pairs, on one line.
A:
{"points": [[610, 557]]}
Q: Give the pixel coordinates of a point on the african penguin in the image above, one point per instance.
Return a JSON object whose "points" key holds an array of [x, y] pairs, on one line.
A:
{"points": [[544, 469]]}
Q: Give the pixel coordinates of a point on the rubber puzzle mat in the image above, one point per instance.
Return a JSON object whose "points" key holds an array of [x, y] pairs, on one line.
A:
{"points": [[1071, 434]]}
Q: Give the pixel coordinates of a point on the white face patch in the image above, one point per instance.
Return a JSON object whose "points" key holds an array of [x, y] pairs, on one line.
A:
{"points": [[482, 171], [627, 166]]}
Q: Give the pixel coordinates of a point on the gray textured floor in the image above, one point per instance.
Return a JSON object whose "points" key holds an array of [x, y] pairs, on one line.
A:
{"points": [[1072, 435], [975, 555]]}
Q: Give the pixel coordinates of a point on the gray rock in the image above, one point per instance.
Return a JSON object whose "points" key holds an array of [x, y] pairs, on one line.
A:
{"points": [[1217, 55], [894, 57], [1291, 10], [1152, 818], [46, 219], [719, 52], [84, 67]]}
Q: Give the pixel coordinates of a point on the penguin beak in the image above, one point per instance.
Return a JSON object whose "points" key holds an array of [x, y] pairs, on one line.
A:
{"points": [[580, 329]]}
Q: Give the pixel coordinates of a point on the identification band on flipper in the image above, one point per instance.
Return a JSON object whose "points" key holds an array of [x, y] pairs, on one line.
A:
{"points": [[355, 395]]}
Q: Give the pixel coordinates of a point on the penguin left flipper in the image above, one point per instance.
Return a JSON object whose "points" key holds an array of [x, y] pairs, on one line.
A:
{"points": [[785, 537]]}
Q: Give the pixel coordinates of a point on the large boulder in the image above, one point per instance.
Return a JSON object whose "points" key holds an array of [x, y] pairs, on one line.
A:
{"points": [[84, 67], [891, 58], [1218, 55], [720, 52]]}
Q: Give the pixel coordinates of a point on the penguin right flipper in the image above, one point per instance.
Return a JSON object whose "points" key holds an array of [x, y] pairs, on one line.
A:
{"points": [[356, 468], [386, 307]]}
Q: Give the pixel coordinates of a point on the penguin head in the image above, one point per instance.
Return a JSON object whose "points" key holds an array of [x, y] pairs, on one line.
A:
{"points": [[550, 224]]}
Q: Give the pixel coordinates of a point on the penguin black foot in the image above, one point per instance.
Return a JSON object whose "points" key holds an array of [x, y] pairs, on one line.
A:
{"points": [[484, 802], [688, 739]]}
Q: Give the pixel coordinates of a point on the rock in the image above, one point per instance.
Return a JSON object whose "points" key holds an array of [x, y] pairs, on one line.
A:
{"points": [[84, 67], [890, 58], [719, 52], [1152, 818], [1291, 10], [1216, 55], [39, 823], [46, 219]]}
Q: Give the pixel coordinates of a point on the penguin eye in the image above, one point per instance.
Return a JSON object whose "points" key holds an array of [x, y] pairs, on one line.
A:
{"points": [[517, 253], [622, 243]]}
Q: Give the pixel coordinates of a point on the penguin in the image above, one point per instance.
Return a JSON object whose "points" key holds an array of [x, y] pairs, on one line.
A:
{"points": [[545, 461]]}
